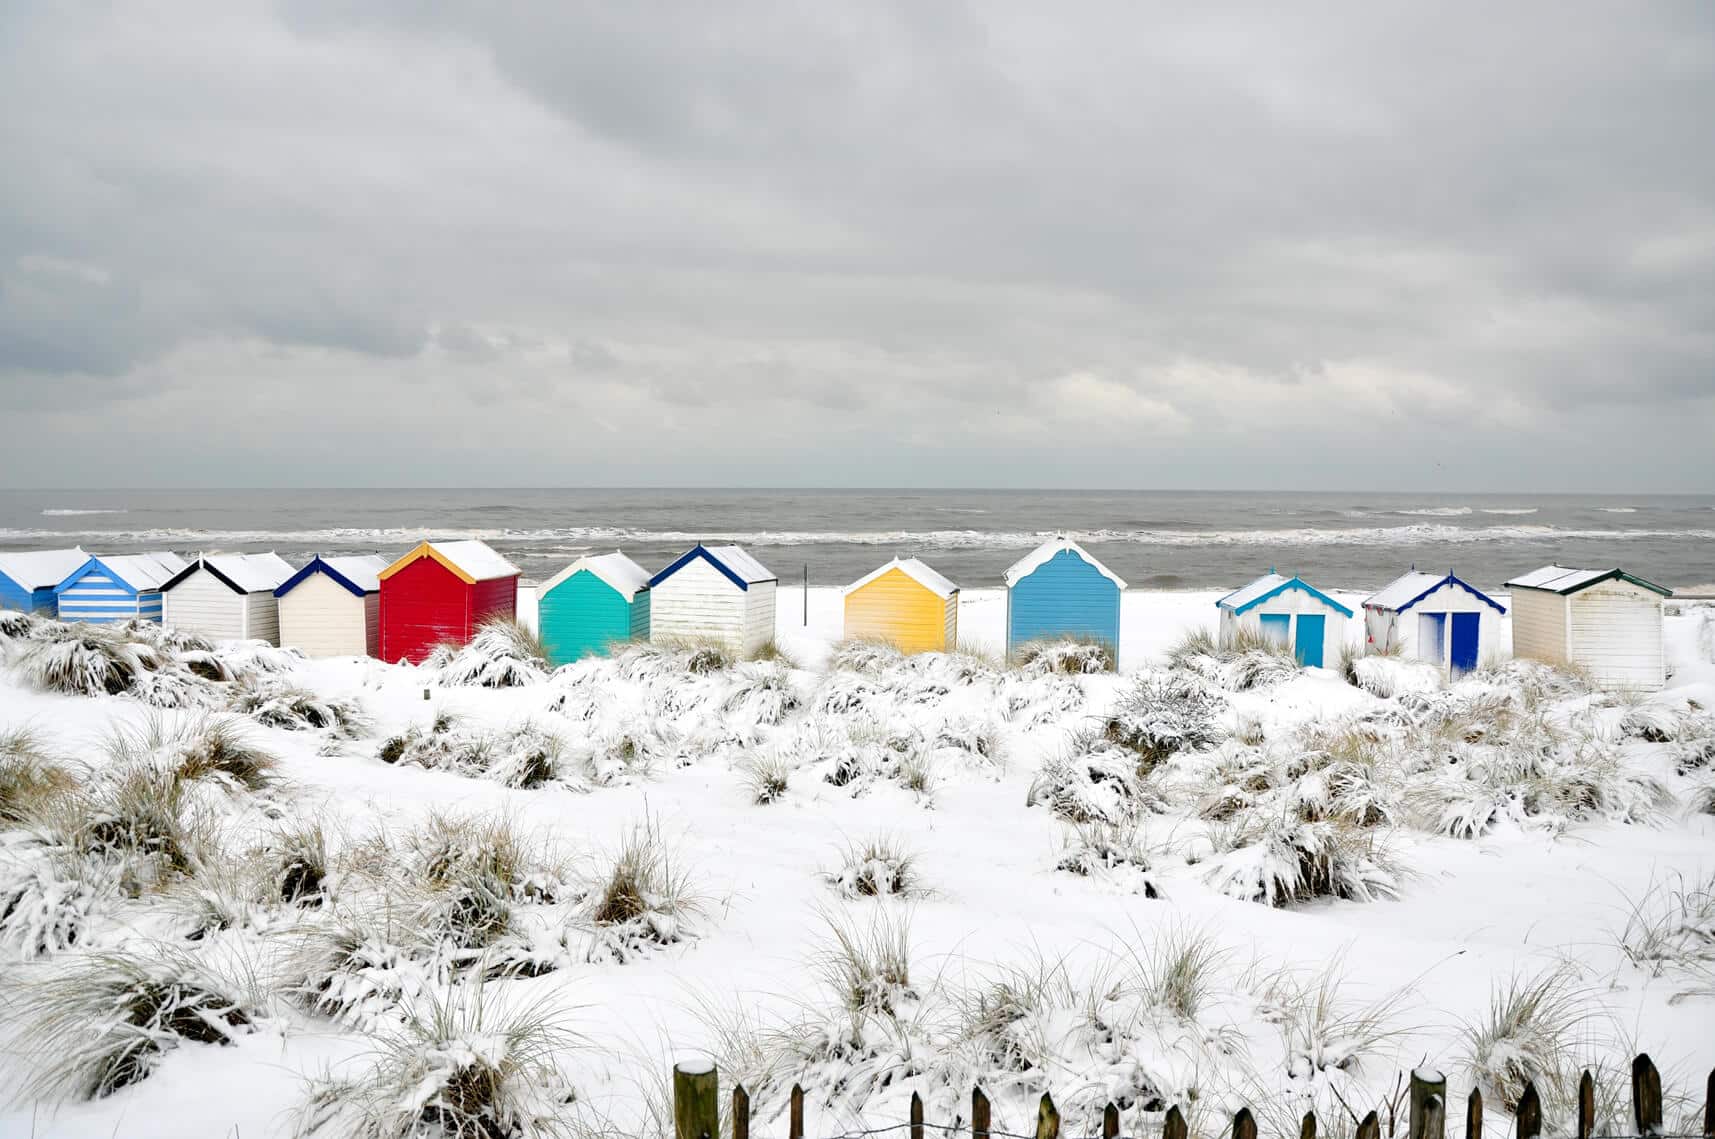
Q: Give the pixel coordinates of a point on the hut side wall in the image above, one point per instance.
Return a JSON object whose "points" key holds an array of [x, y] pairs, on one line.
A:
{"points": [[1539, 625], [1616, 631]]}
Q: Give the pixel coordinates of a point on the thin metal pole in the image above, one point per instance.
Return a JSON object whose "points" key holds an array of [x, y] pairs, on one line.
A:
{"points": [[806, 595]]}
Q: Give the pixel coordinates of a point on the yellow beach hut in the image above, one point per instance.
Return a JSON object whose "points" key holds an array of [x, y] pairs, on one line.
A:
{"points": [[906, 604]]}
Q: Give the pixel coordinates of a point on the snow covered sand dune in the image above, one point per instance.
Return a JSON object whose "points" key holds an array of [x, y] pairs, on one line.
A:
{"points": [[1084, 855]]}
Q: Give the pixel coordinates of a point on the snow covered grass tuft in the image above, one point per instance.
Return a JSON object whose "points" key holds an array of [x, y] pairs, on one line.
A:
{"points": [[94, 1023], [522, 755], [501, 654], [49, 896], [870, 657], [1177, 969], [1242, 661], [1165, 713], [1326, 1030], [276, 705], [1286, 861], [15, 625], [868, 968], [637, 898], [216, 748], [875, 868], [32, 775], [762, 693], [462, 1065], [1387, 675], [1092, 780], [1113, 852], [1067, 656], [1671, 929], [1530, 1034], [766, 777]]}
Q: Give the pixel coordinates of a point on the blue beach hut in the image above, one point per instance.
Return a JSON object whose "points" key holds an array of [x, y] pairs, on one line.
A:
{"points": [[591, 604], [1289, 612], [122, 588], [1059, 590], [27, 579]]}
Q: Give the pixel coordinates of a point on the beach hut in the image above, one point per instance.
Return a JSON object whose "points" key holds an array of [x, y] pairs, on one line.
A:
{"points": [[28, 579], [332, 607], [714, 593], [1433, 617], [439, 593], [592, 604], [227, 597], [1059, 590], [906, 604], [1606, 622], [1289, 612], [122, 587]]}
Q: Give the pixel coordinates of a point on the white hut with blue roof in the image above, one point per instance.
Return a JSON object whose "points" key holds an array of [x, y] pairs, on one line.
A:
{"points": [[1287, 611], [1436, 618], [714, 593]]}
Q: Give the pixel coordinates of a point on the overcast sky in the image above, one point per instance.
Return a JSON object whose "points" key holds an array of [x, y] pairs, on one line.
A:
{"points": [[1389, 246]]}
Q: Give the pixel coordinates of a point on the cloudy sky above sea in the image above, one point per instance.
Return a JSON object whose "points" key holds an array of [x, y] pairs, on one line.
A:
{"points": [[1436, 245]]}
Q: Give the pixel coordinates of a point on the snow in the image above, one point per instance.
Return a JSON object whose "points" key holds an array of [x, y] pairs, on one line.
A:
{"points": [[914, 569], [741, 563], [362, 570], [252, 573], [1403, 590], [1028, 564], [1244, 595], [477, 559], [42, 569], [1467, 915], [622, 574], [1559, 579], [146, 571]]}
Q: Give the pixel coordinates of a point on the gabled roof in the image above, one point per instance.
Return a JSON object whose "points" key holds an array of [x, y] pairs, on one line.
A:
{"points": [[144, 573], [358, 574], [1032, 561], [739, 567], [913, 569], [624, 576], [42, 569], [1410, 588], [1559, 579], [469, 560], [241, 573], [1269, 585]]}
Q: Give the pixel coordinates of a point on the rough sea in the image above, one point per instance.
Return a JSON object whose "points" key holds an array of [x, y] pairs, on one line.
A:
{"points": [[1155, 540]]}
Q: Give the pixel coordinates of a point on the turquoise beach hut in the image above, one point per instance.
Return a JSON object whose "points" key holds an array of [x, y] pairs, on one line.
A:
{"points": [[1290, 612], [591, 604], [1059, 590]]}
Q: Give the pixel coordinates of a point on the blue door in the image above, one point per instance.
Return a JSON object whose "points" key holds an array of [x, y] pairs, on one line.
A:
{"points": [[1463, 657], [1276, 628], [1312, 628]]}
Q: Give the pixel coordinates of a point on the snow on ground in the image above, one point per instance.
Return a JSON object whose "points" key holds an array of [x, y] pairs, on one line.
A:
{"points": [[1153, 977]]}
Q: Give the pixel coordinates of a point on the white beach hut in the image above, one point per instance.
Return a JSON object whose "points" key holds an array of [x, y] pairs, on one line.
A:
{"points": [[715, 593], [227, 597], [1290, 612], [1436, 618], [332, 607], [1606, 622]]}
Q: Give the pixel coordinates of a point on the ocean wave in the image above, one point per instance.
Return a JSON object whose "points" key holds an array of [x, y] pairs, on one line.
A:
{"points": [[1619, 510], [1433, 512], [60, 512], [584, 537], [1509, 510]]}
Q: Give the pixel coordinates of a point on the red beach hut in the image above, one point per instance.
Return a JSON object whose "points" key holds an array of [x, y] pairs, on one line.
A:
{"points": [[439, 593]]}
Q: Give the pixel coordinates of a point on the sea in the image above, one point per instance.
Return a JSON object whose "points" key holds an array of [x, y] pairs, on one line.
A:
{"points": [[1164, 540]]}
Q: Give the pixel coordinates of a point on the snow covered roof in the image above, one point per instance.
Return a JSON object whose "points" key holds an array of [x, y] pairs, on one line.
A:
{"points": [[1267, 586], [913, 569], [1032, 561], [1561, 580], [145, 572], [242, 573], [739, 567], [471, 560], [42, 569], [1410, 588], [624, 576], [358, 573]]}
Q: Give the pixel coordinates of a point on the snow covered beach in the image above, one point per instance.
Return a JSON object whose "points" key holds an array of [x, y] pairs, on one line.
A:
{"points": [[1212, 882]]}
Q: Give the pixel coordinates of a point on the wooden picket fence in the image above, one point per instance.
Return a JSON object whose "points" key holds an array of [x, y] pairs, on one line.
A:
{"points": [[696, 1112]]}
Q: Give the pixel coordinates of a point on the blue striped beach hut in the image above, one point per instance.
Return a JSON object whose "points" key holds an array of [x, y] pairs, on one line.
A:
{"points": [[1059, 590], [123, 587], [28, 579]]}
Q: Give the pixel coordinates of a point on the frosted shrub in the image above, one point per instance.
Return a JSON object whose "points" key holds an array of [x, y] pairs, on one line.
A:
{"points": [[460, 1066], [1093, 780], [761, 693], [276, 705], [49, 897], [877, 867], [364, 965], [1165, 713], [501, 654], [637, 899], [1066, 657], [1289, 861], [94, 1023]]}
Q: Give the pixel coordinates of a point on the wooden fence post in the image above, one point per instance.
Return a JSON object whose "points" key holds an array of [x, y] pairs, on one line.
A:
{"points": [[795, 1114], [1709, 1107], [1646, 1095], [1244, 1124], [696, 1100], [1428, 1104], [1173, 1127], [1586, 1105], [1370, 1128], [979, 1114], [1047, 1118], [1111, 1122], [1307, 1126], [1529, 1113], [916, 1116], [740, 1112], [1474, 1115]]}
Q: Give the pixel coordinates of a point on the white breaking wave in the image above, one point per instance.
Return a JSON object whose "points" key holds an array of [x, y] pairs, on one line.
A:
{"points": [[1435, 512], [68, 513], [1509, 510], [1619, 510], [594, 536]]}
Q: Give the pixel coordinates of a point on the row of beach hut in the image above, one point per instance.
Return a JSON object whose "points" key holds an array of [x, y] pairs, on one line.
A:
{"points": [[1608, 622]]}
